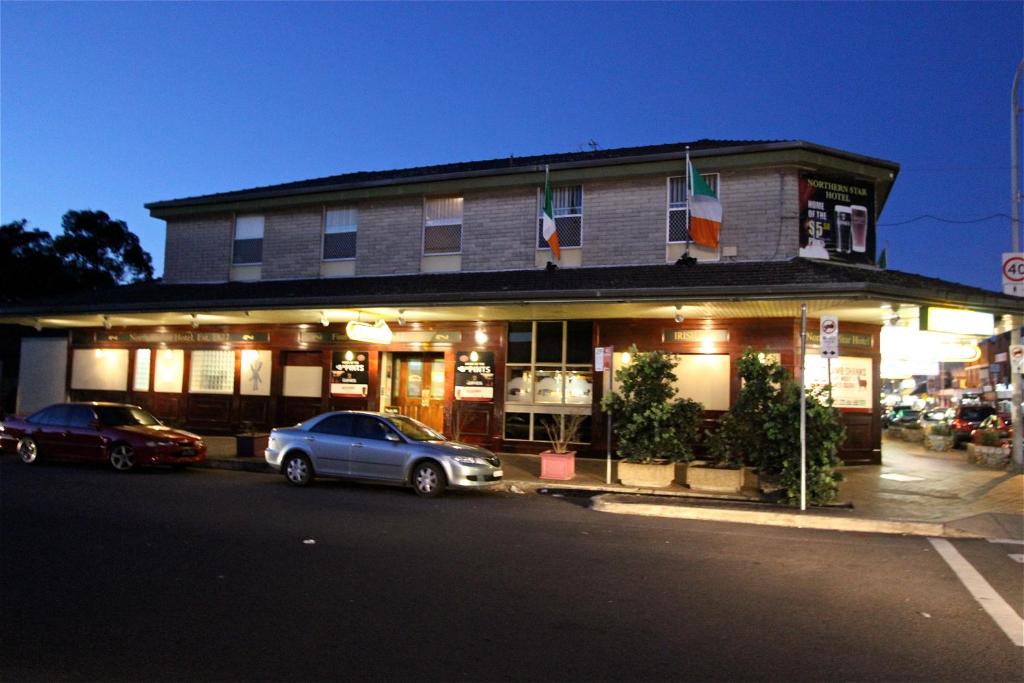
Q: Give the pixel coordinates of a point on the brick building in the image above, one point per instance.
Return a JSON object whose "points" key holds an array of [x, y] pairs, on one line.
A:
{"points": [[430, 291]]}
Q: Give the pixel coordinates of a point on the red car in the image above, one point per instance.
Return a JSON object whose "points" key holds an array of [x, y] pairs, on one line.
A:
{"points": [[967, 419], [123, 435]]}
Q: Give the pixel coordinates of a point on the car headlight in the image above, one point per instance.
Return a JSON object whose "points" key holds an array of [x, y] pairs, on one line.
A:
{"points": [[468, 460]]}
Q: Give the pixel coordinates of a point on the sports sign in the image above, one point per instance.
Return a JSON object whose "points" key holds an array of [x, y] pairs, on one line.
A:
{"points": [[474, 376]]}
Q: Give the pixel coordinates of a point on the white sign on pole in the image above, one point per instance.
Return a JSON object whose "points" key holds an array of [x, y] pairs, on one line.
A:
{"points": [[1017, 358], [1013, 273], [829, 336]]}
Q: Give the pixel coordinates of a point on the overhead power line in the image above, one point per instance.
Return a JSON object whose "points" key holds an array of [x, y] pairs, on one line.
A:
{"points": [[945, 220]]}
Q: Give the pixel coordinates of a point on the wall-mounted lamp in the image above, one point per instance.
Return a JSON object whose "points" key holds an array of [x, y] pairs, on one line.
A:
{"points": [[401, 316], [195, 320], [679, 314], [38, 325], [106, 323], [894, 319], [323, 319], [626, 358]]}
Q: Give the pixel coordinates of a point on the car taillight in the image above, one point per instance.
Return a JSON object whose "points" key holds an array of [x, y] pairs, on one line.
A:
{"points": [[959, 424]]}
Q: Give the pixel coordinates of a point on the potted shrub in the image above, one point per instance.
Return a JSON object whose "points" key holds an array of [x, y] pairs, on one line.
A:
{"points": [[989, 448], [654, 429], [250, 442], [940, 437], [765, 432], [559, 462]]}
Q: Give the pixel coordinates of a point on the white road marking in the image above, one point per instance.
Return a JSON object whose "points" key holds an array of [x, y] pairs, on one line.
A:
{"points": [[1017, 558], [980, 590], [1007, 541]]}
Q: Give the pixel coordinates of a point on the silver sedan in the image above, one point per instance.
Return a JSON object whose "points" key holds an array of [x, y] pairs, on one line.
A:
{"points": [[378, 447]]}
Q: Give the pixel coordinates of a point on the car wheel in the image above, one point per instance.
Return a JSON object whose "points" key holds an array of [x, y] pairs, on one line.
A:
{"points": [[428, 479], [28, 451], [122, 457], [298, 470]]}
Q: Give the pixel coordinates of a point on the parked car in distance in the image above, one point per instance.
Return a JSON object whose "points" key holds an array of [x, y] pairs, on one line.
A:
{"points": [[995, 424], [904, 416], [377, 447], [938, 416], [967, 419], [124, 435]]}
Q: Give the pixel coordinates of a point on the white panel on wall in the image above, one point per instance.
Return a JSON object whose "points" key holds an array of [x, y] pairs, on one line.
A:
{"points": [[256, 367], [703, 378], [170, 370], [142, 366], [212, 372], [303, 381], [42, 373], [100, 369]]}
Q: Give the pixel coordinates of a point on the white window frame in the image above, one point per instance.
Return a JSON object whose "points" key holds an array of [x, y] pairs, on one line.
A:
{"points": [[540, 213], [714, 182], [440, 222], [235, 238], [354, 227]]}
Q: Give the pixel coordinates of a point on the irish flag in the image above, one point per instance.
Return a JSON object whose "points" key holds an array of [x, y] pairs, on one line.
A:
{"points": [[705, 210], [547, 219]]}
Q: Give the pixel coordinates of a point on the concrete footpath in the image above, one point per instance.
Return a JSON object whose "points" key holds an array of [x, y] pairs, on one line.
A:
{"points": [[914, 491]]}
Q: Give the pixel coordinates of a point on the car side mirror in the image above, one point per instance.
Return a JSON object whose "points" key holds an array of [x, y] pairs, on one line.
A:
{"points": [[391, 436]]}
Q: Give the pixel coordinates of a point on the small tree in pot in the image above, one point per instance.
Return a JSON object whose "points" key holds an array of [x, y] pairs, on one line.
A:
{"points": [[560, 462], [653, 428]]}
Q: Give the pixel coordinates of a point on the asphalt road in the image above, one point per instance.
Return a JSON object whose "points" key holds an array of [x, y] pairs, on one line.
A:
{"points": [[210, 575]]}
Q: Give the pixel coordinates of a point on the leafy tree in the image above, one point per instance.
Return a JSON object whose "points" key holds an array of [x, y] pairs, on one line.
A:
{"points": [[101, 251], [763, 429], [94, 251], [650, 423]]}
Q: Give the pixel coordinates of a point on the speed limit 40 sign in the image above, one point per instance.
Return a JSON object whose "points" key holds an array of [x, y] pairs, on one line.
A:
{"points": [[1013, 273]]}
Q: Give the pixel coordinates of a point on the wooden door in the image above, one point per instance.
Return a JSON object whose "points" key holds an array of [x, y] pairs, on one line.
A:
{"points": [[419, 391]]}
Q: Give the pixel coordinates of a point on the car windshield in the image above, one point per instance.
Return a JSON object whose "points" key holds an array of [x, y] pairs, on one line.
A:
{"points": [[413, 430], [122, 416], [936, 415], [978, 413]]}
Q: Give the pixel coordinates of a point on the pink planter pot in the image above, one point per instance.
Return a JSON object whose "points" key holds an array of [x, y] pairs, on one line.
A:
{"points": [[557, 465]]}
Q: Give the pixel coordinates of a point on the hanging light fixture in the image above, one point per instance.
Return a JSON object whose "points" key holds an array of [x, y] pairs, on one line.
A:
{"points": [[323, 319], [195, 320], [401, 316], [679, 314], [106, 323]]}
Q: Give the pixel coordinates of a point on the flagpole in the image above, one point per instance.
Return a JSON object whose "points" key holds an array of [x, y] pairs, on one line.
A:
{"points": [[689, 193]]}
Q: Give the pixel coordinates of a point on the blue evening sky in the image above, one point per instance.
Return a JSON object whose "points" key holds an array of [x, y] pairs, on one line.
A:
{"points": [[111, 105]]}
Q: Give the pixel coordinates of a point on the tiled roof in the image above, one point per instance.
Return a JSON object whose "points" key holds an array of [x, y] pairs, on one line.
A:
{"points": [[794, 279], [510, 163]]}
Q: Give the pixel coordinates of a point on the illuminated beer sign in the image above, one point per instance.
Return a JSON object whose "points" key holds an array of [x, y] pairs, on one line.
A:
{"points": [[957, 321], [837, 219]]}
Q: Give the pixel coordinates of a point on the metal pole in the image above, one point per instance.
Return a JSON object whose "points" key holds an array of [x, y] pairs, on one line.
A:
{"points": [[1017, 394], [803, 406], [609, 372]]}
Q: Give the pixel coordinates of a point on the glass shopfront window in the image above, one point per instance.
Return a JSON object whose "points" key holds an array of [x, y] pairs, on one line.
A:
{"points": [[548, 372]]}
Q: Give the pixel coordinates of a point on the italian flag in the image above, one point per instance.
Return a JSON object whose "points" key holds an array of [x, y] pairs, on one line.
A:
{"points": [[547, 220], [705, 210]]}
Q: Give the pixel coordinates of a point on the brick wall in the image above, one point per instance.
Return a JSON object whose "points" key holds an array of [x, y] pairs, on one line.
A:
{"points": [[291, 244], [623, 223], [390, 238], [760, 215], [198, 249], [498, 230]]}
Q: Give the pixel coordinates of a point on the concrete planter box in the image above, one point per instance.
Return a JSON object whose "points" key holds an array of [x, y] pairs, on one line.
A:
{"points": [[644, 476], [939, 443], [912, 435], [715, 479], [251, 445], [996, 457], [558, 465]]}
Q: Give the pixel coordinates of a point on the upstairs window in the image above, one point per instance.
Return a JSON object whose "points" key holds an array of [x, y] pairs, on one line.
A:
{"points": [[442, 226], [677, 209], [340, 226], [567, 205], [248, 247]]}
